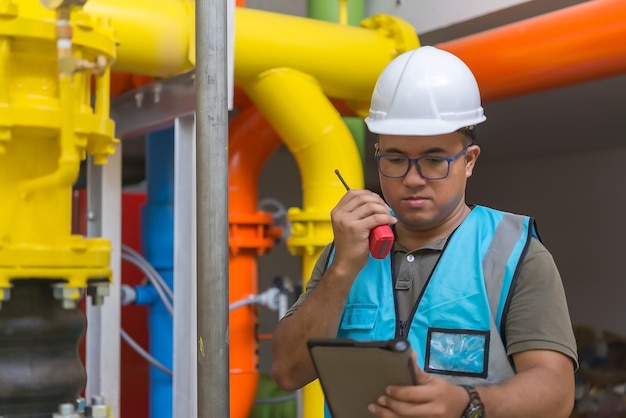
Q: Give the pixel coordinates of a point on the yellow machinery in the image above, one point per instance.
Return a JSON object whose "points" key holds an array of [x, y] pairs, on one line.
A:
{"points": [[50, 70], [47, 126]]}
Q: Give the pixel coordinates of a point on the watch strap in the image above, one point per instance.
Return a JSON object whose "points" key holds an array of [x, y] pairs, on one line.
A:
{"points": [[475, 407]]}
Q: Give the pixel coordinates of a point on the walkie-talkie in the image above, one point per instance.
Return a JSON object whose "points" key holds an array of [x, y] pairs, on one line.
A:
{"points": [[381, 238]]}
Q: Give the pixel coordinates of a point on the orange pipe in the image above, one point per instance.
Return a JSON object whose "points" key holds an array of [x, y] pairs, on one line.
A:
{"points": [[252, 141], [568, 46]]}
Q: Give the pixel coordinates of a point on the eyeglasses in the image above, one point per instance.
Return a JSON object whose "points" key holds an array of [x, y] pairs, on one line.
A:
{"points": [[429, 167]]}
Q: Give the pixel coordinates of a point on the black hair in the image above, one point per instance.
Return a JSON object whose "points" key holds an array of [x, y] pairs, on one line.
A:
{"points": [[468, 132]]}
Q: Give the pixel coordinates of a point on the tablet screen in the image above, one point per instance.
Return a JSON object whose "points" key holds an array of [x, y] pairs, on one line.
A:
{"points": [[354, 374]]}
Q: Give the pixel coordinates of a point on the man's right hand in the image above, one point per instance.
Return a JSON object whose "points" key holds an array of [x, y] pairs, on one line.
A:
{"points": [[356, 214]]}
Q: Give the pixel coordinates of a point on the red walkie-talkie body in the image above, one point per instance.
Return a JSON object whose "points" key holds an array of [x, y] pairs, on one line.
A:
{"points": [[381, 238], [381, 241]]}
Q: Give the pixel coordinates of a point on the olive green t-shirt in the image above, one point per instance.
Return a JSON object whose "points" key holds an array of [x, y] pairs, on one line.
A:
{"points": [[538, 317]]}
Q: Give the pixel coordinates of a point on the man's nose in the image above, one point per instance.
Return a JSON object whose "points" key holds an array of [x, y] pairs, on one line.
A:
{"points": [[413, 175]]}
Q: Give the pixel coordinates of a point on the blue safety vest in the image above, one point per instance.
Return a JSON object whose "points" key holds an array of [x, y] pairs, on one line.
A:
{"points": [[457, 325]]}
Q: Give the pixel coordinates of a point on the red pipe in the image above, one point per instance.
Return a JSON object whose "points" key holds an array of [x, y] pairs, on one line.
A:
{"points": [[252, 141], [565, 47], [123, 82]]}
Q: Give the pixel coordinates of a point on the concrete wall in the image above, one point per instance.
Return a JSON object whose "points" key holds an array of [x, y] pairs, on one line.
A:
{"points": [[288, 7], [579, 203], [427, 16]]}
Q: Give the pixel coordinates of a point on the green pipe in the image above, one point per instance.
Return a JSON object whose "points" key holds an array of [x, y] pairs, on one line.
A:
{"points": [[266, 391], [357, 128], [328, 10]]}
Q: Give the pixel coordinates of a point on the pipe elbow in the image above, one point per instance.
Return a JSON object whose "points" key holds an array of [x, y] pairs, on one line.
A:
{"points": [[68, 171], [65, 175]]}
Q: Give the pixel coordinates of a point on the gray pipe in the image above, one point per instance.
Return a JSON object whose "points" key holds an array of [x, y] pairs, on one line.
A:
{"points": [[212, 207]]}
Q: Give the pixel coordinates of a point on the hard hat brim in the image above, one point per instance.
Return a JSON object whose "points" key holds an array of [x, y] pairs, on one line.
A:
{"points": [[418, 127]]}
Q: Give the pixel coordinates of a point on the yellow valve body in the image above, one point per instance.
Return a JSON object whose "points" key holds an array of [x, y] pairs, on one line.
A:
{"points": [[47, 125]]}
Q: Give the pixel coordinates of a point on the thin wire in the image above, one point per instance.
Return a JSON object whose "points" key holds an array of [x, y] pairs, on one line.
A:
{"points": [[299, 404], [143, 353], [143, 260], [155, 283], [277, 399], [155, 274], [243, 302], [161, 288], [149, 270], [151, 276]]}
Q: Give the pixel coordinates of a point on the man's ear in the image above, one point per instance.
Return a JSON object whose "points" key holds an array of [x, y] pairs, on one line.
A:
{"points": [[470, 159]]}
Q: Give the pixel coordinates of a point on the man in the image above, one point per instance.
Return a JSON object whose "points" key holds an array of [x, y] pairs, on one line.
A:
{"points": [[472, 289]]}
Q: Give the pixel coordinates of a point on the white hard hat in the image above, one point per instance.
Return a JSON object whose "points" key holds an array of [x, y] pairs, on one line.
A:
{"points": [[426, 91]]}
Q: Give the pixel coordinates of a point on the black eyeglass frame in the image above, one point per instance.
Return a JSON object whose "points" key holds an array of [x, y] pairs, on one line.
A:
{"points": [[415, 161]]}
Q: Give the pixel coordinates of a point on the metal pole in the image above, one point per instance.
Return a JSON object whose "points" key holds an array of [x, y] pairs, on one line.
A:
{"points": [[93, 336], [212, 207], [104, 195], [185, 395]]}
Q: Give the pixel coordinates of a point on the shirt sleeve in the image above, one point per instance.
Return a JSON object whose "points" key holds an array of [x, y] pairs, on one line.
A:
{"points": [[318, 271], [538, 317]]}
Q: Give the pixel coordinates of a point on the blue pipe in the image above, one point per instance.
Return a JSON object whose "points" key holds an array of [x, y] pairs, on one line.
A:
{"points": [[146, 295], [157, 219]]}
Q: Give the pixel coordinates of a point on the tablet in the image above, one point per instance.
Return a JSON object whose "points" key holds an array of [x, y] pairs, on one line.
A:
{"points": [[354, 374]]}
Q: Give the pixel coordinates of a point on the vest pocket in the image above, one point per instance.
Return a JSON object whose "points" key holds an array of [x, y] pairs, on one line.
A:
{"points": [[359, 316], [457, 352]]}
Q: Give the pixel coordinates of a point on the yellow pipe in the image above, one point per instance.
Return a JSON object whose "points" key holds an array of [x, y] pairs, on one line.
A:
{"points": [[5, 66], [155, 38], [346, 60], [68, 166], [343, 12], [102, 105], [5, 74], [296, 107]]}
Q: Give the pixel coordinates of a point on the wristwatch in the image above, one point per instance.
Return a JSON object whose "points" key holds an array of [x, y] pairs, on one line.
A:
{"points": [[475, 407]]}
